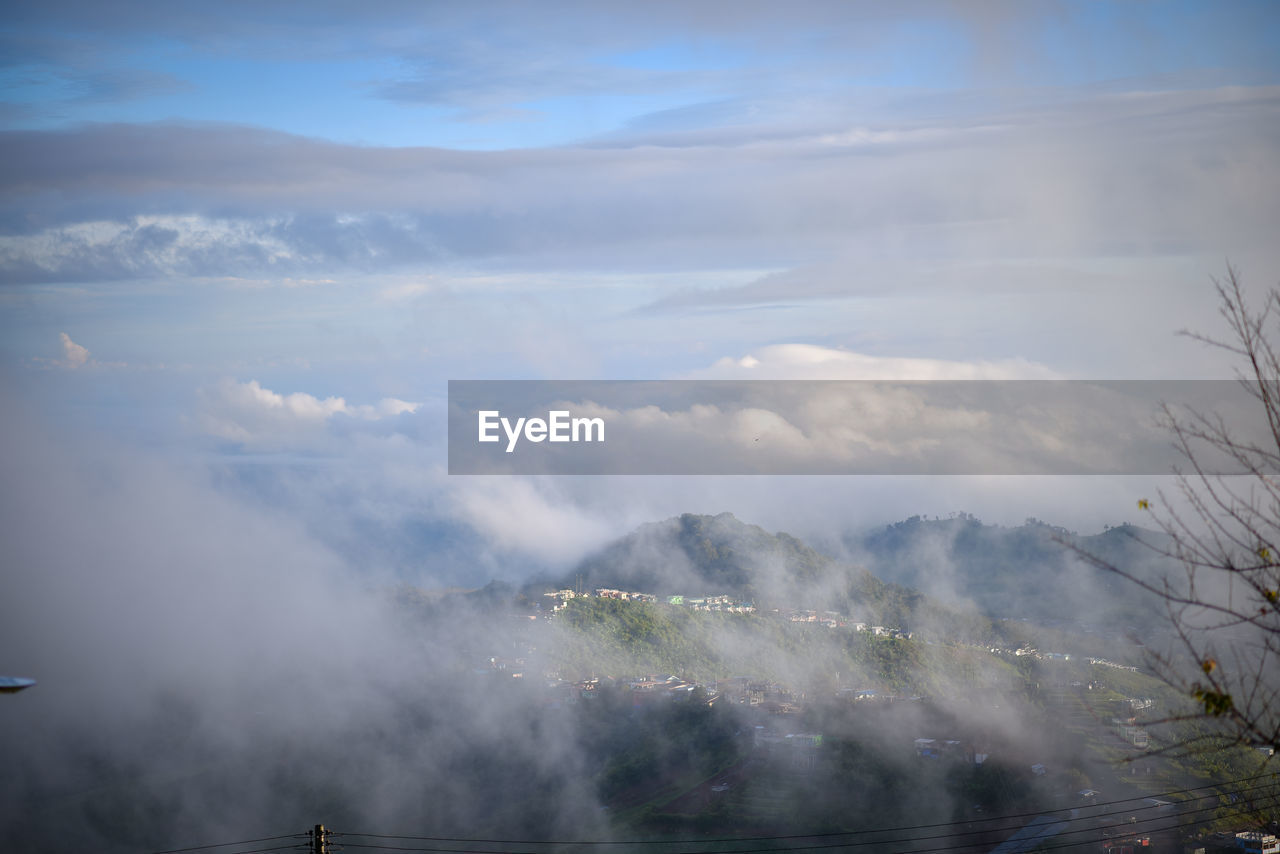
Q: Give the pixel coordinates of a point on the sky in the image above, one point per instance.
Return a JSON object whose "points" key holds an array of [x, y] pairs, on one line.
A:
{"points": [[244, 246]]}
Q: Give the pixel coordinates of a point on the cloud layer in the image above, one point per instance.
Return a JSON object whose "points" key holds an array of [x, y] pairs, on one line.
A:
{"points": [[1147, 173]]}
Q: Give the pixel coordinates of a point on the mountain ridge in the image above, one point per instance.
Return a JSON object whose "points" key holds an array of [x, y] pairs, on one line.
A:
{"points": [[960, 564]]}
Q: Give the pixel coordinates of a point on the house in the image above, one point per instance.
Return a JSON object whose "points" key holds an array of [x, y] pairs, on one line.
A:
{"points": [[1257, 842], [927, 747], [560, 598], [1126, 844]]}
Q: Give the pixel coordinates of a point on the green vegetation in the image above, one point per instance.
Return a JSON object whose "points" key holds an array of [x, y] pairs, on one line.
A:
{"points": [[694, 555], [654, 762], [606, 637], [719, 553]]}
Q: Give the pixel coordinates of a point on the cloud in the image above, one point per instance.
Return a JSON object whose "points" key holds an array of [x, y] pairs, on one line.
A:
{"points": [[529, 518], [404, 293], [812, 362], [250, 414], [863, 429], [181, 634], [853, 276], [74, 356], [1106, 175]]}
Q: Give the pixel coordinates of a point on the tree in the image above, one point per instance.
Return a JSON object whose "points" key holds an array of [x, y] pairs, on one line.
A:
{"points": [[1223, 531]]}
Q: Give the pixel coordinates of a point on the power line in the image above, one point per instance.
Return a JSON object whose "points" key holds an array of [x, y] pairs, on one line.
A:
{"points": [[1095, 829], [243, 842], [985, 826], [731, 839], [438, 850], [1040, 846], [849, 844], [1130, 826]]}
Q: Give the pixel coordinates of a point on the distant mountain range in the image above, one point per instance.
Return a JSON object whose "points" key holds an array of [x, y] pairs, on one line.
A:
{"points": [[957, 564], [1029, 571]]}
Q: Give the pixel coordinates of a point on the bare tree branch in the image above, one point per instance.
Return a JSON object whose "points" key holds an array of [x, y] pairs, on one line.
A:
{"points": [[1224, 531]]}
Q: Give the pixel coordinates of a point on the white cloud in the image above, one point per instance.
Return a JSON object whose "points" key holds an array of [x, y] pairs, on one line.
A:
{"points": [[75, 356], [515, 515], [812, 362], [247, 412], [1146, 174], [800, 430], [403, 293], [389, 406]]}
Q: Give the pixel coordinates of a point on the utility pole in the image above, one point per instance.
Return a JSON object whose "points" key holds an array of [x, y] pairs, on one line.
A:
{"points": [[319, 840]]}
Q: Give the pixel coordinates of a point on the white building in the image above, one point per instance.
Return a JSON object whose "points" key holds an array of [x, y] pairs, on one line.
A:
{"points": [[1257, 842]]}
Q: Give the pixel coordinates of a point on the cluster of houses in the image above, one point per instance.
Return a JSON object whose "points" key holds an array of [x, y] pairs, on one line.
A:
{"points": [[1135, 735], [561, 598], [834, 620], [1132, 843], [727, 604], [1257, 842], [645, 689], [624, 595], [513, 667], [937, 748], [1126, 722], [871, 695], [713, 603], [660, 687], [794, 751], [1024, 651], [765, 695], [770, 696]]}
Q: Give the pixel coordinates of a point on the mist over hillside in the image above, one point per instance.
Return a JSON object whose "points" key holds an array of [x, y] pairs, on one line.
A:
{"points": [[691, 552], [697, 555], [1031, 571], [255, 258], [484, 714], [904, 574]]}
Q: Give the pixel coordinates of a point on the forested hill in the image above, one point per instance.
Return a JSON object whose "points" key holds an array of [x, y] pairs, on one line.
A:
{"points": [[699, 554], [956, 565], [1024, 571], [696, 555]]}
